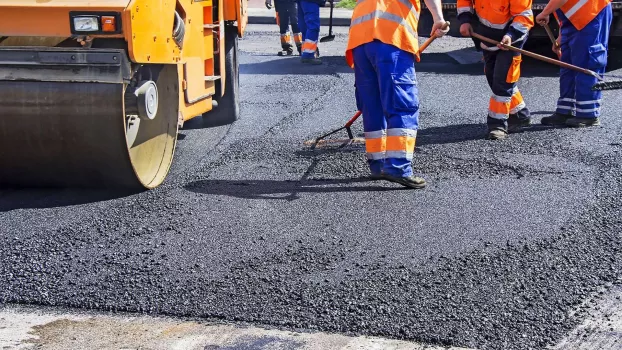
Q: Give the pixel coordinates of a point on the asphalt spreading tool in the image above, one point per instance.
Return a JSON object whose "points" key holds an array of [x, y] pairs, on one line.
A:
{"points": [[330, 36], [351, 139], [600, 86]]}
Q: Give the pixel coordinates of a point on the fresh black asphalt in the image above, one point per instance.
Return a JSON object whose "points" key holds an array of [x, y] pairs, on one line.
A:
{"points": [[253, 226]]}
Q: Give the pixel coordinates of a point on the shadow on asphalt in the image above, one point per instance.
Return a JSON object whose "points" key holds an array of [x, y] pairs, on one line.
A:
{"points": [[31, 198], [463, 132], [280, 190]]}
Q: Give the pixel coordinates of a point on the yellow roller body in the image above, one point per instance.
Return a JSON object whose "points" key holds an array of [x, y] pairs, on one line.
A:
{"points": [[69, 104]]}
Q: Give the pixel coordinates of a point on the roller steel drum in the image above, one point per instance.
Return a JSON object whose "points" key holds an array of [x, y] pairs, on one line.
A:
{"points": [[63, 121]]}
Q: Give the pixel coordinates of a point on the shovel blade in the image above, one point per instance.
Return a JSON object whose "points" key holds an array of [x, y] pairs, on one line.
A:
{"points": [[327, 38]]}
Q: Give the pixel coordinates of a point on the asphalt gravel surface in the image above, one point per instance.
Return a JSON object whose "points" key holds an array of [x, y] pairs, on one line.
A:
{"points": [[253, 226]]}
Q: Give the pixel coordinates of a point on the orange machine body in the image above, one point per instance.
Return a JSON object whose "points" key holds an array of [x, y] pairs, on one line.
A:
{"points": [[146, 27]]}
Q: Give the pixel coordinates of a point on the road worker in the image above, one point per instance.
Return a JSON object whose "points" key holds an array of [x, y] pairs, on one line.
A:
{"points": [[383, 48], [309, 22], [583, 41], [509, 22], [286, 16]]}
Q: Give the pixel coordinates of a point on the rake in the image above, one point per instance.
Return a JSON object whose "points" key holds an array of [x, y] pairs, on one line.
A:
{"points": [[600, 86]]}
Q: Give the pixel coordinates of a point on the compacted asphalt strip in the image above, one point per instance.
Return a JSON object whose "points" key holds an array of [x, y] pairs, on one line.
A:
{"points": [[253, 226]]}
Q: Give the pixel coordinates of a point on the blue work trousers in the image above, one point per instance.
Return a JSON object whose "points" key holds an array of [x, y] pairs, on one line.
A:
{"points": [[586, 48], [387, 95], [309, 24]]}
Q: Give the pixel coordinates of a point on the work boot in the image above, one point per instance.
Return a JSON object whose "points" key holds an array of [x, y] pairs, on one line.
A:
{"points": [[299, 47], [556, 119], [411, 181], [578, 122], [313, 61], [497, 129], [497, 133], [516, 124], [288, 49]]}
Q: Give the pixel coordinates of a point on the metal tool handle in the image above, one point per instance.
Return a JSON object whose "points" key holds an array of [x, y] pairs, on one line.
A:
{"points": [[431, 39], [538, 57]]}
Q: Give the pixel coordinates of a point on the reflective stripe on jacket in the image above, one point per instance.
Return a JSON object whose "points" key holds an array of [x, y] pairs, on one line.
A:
{"points": [[393, 22], [497, 14], [581, 12]]}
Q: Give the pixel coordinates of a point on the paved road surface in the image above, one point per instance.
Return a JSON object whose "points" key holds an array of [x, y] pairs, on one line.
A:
{"points": [[499, 252]]}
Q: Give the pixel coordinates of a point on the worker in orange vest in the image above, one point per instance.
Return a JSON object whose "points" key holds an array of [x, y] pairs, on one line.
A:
{"points": [[509, 22], [383, 48], [583, 40]]}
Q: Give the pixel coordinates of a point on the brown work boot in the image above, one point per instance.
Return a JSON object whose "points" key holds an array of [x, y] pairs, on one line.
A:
{"points": [[497, 128], [411, 181], [497, 133]]}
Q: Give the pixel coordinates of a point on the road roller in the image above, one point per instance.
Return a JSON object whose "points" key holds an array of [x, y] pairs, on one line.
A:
{"points": [[94, 93]]}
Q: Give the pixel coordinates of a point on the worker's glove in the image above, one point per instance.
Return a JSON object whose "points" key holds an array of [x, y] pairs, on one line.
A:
{"points": [[269, 4], [437, 28]]}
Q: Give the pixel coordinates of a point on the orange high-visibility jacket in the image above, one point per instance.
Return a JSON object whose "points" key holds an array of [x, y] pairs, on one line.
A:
{"points": [[497, 14], [393, 22], [581, 12]]}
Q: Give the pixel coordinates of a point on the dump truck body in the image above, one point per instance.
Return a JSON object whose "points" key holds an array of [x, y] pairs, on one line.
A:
{"points": [[93, 93]]}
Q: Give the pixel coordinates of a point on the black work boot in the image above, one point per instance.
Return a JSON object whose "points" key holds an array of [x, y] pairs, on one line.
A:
{"points": [[288, 49], [578, 122], [497, 129], [313, 61], [411, 181], [556, 119], [515, 123], [299, 47]]}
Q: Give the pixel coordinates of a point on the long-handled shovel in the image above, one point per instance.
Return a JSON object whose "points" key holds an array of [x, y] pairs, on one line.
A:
{"points": [[351, 138], [601, 85], [330, 36]]}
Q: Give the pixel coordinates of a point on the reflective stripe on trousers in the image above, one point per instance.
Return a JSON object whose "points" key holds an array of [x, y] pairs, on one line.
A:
{"points": [[309, 23], [502, 70], [586, 48], [386, 93]]}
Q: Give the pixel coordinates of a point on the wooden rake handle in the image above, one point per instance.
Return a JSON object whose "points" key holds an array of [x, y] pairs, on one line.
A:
{"points": [[551, 36], [538, 57], [431, 39]]}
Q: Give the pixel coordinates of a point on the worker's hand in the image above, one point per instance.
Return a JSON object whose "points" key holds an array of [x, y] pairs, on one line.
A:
{"points": [[557, 47], [269, 4], [542, 18], [505, 41], [466, 29], [437, 29]]}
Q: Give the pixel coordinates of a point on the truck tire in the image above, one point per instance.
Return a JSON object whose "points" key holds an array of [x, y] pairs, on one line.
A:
{"points": [[228, 109]]}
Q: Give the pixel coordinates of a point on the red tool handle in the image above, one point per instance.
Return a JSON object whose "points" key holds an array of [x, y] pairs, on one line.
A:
{"points": [[353, 119], [431, 39]]}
